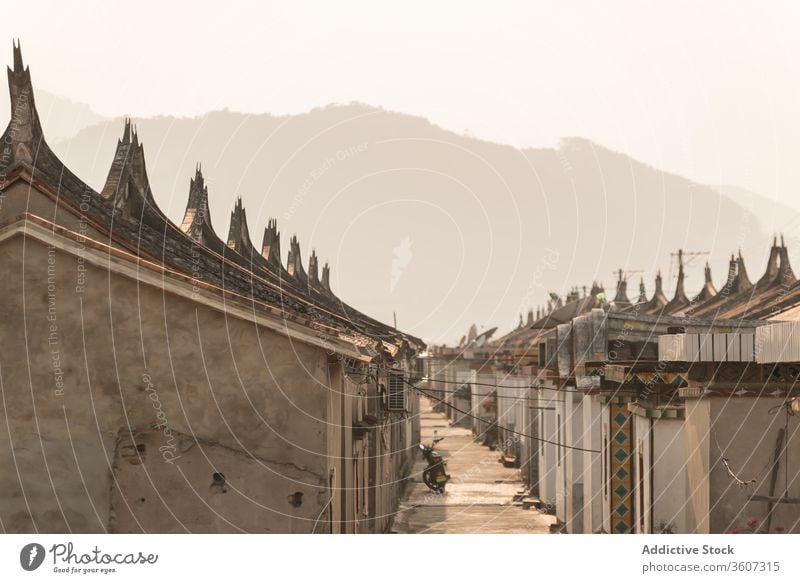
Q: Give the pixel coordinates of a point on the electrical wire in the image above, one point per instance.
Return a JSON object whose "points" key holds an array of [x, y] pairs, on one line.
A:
{"points": [[333, 493], [545, 387], [739, 482], [477, 384], [540, 439], [500, 396], [736, 479]]}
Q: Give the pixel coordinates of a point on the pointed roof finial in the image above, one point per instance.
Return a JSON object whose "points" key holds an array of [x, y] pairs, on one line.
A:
{"points": [[679, 301], [271, 243], [621, 298], [659, 300], [785, 276], [127, 186], [642, 291], [708, 291], [238, 232], [126, 133], [326, 277], [197, 217], [18, 64], [741, 282], [294, 262], [772, 266], [313, 276], [24, 134], [679, 287]]}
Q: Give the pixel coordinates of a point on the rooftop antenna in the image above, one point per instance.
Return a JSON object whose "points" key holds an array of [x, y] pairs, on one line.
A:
{"points": [[627, 273], [688, 257]]}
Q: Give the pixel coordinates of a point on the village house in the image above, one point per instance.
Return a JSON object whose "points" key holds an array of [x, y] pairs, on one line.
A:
{"points": [[652, 415], [157, 378]]}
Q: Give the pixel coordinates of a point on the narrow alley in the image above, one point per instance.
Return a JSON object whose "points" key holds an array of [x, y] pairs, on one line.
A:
{"points": [[479, 496]]}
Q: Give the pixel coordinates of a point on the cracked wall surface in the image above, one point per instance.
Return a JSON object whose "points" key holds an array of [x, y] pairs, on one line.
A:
{"points": [[123, 364]]}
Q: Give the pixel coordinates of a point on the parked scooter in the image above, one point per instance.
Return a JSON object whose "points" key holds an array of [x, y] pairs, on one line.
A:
{"points": [[435, 475]]}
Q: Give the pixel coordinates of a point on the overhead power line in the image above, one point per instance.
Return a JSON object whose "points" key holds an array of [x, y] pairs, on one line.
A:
{"points": [[535, 438], [500, 396], [432, 380], [531, 386]]}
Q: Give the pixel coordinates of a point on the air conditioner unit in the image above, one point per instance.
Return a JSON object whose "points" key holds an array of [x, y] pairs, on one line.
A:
{"points": [[396, 391]]}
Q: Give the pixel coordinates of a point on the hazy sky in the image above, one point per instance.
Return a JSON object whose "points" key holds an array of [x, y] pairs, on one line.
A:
{"points": [[710, 90]]}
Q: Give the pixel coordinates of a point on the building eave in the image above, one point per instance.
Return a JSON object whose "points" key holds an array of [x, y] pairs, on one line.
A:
{"points": [[157, 275]]}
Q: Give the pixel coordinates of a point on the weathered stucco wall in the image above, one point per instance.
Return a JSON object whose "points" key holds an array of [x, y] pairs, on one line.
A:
{"points": [[745, 431], [670, 499], [21, 198], [116, 364]]}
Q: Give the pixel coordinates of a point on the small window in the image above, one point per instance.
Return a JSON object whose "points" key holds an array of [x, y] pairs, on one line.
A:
{"points": [[396, 397]]}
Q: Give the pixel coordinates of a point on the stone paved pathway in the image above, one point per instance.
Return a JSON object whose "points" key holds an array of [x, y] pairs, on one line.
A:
{"points": [[480, 494]]}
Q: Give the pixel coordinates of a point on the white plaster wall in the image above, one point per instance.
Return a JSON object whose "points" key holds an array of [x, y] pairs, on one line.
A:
{"points": [[548, 456], [573, 478], [642, 486], [697, 445], [592, 464], [605, 478]]}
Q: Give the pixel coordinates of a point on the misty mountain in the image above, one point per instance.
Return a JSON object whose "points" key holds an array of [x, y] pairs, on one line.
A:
{"points": [[773, 215], [442, 229], [63, 118]]}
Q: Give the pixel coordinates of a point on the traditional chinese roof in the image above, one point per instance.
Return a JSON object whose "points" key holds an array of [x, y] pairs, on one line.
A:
{"points": [[775, 291], [708, 291], [621, 301], [127, 217], [679, 301]]}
